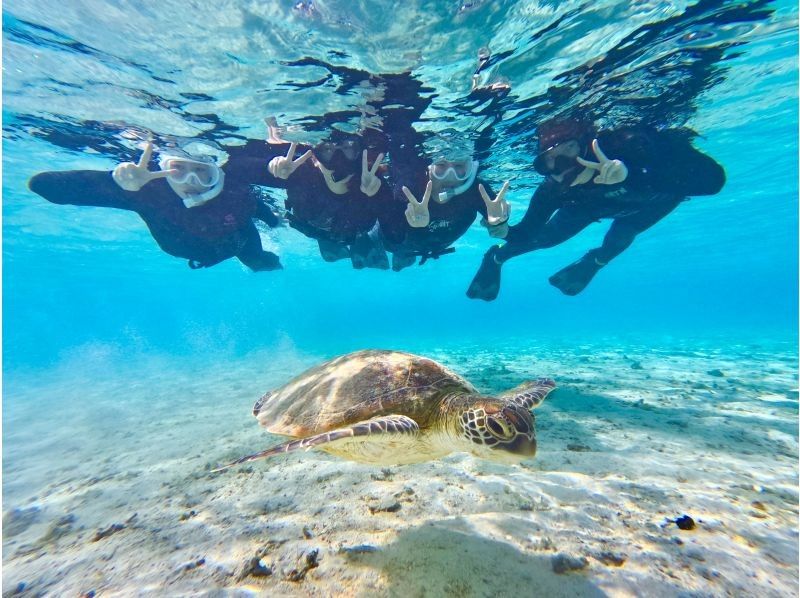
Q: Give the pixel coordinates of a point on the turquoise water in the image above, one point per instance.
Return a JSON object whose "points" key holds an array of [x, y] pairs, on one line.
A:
{"points": [[89, 300]]}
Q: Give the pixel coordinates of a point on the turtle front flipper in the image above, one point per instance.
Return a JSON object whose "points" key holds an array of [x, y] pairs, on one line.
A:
{"points": [[373, 441], [529, 394]]}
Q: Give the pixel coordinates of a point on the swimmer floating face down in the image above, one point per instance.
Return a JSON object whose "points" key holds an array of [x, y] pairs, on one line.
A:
{"points": [[333, 161], [449, 178], [194, 180]]}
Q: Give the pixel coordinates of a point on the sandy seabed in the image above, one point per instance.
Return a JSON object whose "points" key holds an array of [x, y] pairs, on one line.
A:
{"points": [[107, 489]]}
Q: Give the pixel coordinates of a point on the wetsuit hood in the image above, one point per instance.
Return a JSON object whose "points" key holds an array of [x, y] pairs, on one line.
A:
{"points": [[553, 133]]}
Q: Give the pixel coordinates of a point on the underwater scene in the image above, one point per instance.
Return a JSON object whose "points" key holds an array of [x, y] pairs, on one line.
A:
{"points": [[418, 299]]}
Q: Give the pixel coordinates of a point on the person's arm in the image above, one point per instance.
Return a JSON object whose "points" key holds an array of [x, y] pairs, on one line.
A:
{"points": [[663, 162], [252, 162], [494, 209], [82, 188], [545, 201]]}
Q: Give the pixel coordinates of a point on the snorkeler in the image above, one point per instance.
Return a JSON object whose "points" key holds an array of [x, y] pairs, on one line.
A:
{"points": [[414, 228], [192, 209], [334, 195], [632, 175]]}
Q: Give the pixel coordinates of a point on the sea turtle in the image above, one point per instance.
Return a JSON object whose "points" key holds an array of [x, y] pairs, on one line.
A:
{"points": [[391, 408]]}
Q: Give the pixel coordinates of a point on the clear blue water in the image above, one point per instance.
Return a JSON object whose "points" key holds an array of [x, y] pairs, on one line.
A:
{"points": [[79, 276], [88, 289]]}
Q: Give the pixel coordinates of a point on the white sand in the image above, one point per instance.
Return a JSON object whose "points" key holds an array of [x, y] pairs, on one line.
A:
{"points": [[622, 449]]}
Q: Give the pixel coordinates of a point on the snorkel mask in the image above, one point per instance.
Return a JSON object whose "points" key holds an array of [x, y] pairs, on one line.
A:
{"points": [[456, 176], [196, 181], [340, 153], [556, 141]]}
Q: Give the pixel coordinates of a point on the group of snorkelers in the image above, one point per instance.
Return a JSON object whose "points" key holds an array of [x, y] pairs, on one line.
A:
{"points": [[377, 199]]}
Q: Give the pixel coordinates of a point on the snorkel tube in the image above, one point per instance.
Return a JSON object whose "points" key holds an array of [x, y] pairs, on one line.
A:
{"points": [[189, 186], [451, 192]]}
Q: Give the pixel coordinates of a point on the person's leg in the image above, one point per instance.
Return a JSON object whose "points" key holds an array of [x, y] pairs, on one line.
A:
{"points": [[367, 252], [565, 224], [575, 277], [401, 260], [266, 215], [252, 254], [331, 251]]}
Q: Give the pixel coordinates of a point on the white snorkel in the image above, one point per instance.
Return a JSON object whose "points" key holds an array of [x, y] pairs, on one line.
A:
{"points": [[196, 181], [451, 176]]}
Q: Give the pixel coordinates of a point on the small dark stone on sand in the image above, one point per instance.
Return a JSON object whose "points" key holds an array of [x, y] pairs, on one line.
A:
{"points": [[385, 475], [192, 565], [359, 549], [385, 506], [685, 522], [308, 561], [709, 574], [307, 533], [111, 529], [564, 563], [716, 373], [611, 558], [578, 448], [255, 567], [637, 365]]}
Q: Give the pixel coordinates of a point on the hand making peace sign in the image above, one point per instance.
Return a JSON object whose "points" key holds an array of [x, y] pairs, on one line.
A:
{"points": [[282, 167], [417, 213], [496, 209], [370, 183], [611, 171], [133, 177]]}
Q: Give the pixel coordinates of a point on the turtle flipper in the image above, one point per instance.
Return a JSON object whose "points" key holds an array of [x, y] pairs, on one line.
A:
{"points": [[529, 394], [352, 441]]}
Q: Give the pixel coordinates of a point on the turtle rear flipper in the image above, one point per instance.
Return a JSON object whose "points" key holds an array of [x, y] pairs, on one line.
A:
{"points": [[529, 394], [369, 440]]}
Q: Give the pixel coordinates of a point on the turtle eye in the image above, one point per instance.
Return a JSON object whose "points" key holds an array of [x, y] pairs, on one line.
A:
{"points": [[499, 428]]}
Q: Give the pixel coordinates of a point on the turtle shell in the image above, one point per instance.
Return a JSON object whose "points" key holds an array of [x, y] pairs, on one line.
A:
{"points": [[356, 387]]}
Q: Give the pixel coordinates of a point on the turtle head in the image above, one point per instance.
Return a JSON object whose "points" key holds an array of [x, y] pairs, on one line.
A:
{"points": [[498, 430]]}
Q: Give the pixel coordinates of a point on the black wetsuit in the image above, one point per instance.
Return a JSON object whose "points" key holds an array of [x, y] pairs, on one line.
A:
{"points": [[335, 221], [205, 235], [448, 221], [663, 170]]}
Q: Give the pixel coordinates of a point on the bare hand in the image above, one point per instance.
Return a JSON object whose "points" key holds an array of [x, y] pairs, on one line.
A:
{"points": [[417, 213], [497, 209], [273, 131], [282, 167], [132, 177], [611, 172], [370, 183]]}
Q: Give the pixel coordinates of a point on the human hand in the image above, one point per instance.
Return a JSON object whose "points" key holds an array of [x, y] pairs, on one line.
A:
{"points": [[282, 167], [417, 213], [370, 183], [497, 209], [273, 131], [611, 172], [132, 177]]}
